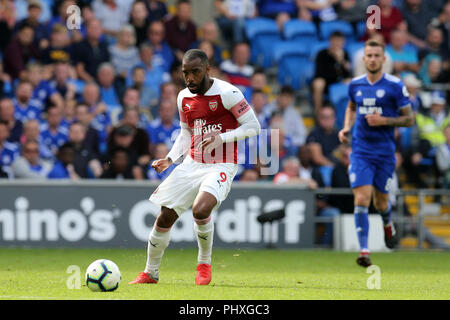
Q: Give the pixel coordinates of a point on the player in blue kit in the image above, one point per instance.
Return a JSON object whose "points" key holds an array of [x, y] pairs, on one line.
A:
{"points": [[378, 103]]}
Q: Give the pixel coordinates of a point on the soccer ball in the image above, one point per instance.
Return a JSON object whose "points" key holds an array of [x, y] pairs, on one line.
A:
{"points": [[103, 275]]}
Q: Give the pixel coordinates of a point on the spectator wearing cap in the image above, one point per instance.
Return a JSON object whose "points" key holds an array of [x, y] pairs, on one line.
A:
{"points": [[181, 31], [91, 52], [332, 66], [29, 165], [20, 51]]}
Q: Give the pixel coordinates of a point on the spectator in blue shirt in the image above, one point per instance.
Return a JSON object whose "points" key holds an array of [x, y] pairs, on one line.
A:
{"points": [[97, 108], [63, 167], [43, 90], [7, 114], [53, 133], [32, 131], [404, 57], [109, 92], [162, 53], [8, 151], [154, 75], [165, 128], [26, 108]]}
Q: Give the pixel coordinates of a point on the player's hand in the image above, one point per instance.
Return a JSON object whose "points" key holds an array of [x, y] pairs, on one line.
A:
{"points": [[161, 164], [375, 120], [343, 135], [210, 143]]}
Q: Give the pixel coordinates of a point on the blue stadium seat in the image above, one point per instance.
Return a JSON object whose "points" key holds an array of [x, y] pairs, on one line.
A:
{"points": [[294, 67], [361, 28], [300, 30], [338, 94], [352, 47], [328, 27], [316, 47], [262, 33]]}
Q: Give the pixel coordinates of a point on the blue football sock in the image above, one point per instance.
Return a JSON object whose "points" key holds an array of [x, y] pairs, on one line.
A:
{"points": [[362, 226], [386, 215]]}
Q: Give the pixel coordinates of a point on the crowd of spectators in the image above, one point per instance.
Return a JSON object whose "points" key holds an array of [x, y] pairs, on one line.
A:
{"points": [[99, 101]]}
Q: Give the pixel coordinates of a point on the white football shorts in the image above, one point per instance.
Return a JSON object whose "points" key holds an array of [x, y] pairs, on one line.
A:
{"points": [[179, 189]]}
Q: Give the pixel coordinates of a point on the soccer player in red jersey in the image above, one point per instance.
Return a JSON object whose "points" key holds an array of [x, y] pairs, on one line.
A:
{"points": [[214, 115]]}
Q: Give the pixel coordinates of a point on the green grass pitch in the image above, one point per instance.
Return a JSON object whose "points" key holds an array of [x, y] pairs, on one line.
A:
{"points": [[237, 274]]}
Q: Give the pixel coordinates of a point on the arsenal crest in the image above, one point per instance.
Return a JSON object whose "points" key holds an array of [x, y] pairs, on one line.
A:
{"points": [[213, 105]]}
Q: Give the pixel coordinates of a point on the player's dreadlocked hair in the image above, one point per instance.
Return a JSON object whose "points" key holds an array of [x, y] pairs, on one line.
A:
{"points": [[194, 54]]}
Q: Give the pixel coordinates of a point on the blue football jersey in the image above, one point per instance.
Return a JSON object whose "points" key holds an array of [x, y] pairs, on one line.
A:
{"points": [[54, 140], [385, 97]]}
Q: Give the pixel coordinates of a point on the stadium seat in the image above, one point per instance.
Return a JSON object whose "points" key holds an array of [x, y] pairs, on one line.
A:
{"points": [[338, 94], [316, 47], [361, 28], [294, 66], [300, 30], [328, 27], [352, 47], [262, 34]]}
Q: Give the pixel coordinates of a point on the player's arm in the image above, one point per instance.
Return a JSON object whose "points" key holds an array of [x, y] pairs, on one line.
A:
{"points": [[349, 121]]}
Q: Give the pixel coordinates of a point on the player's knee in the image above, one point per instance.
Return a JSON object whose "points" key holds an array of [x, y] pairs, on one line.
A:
{"points": [[201, 211], [166, 218], [362, 200], [380, 205]]}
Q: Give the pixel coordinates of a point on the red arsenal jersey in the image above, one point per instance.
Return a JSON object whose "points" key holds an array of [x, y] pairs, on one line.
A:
{"points": [[213, 113]]}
